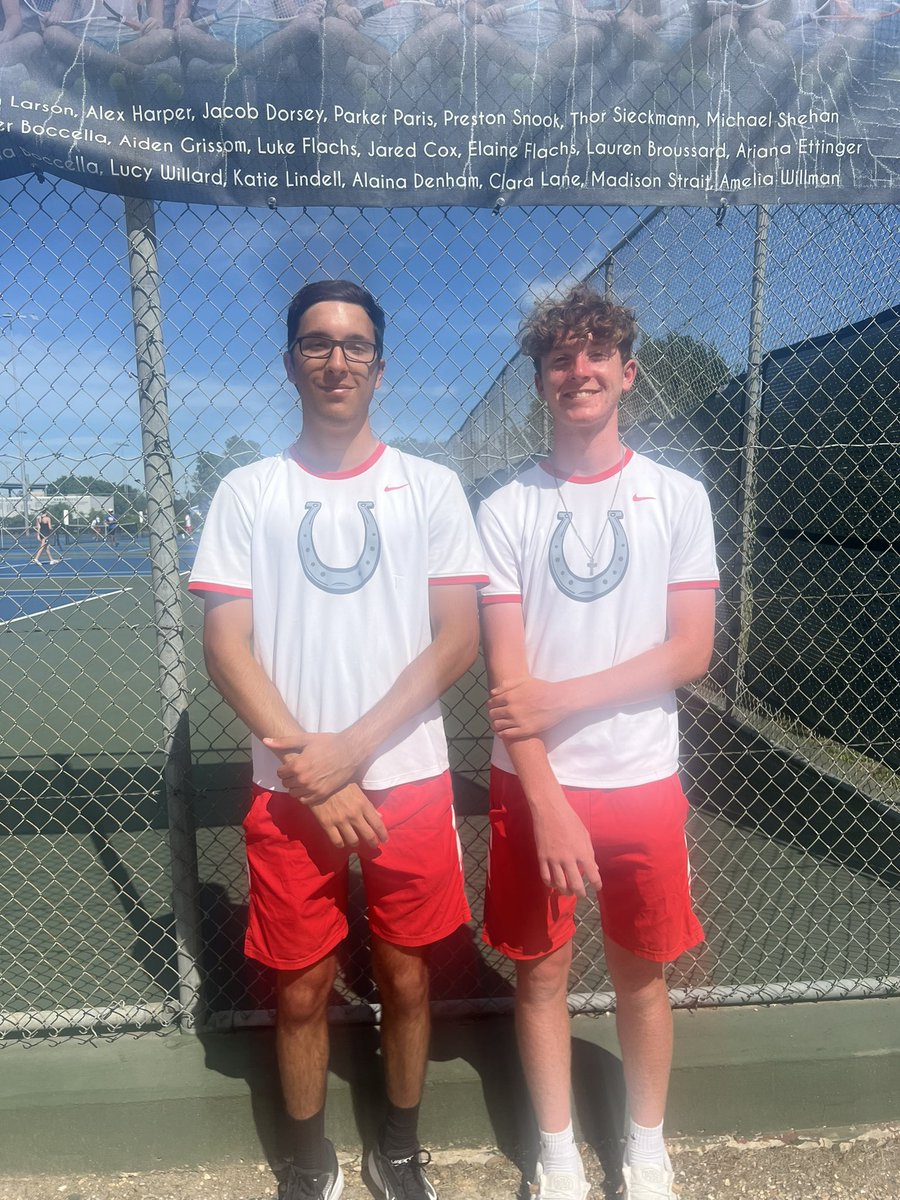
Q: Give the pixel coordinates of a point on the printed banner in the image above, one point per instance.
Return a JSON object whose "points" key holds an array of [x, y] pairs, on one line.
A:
{"points": [[387, 102]]}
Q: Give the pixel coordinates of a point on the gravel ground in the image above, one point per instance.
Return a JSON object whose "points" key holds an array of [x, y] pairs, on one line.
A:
{"points": [[861, 1165]]}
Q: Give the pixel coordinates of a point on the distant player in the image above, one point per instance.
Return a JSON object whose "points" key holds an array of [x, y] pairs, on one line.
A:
{"points": [[112, 528], [43, 528], [600, 603]]}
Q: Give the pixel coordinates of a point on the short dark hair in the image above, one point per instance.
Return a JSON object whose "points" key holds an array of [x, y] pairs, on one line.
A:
{"points": [[581, 313], [343, 290]]}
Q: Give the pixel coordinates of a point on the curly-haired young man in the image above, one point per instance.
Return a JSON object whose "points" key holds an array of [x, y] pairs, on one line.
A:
{"points": [[600, 604]]}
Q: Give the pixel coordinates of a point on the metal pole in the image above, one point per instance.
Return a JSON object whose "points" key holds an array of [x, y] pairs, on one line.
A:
{"points": [[609, 277], [9, 318], [752, 411], [166, 583], [504, 417]]}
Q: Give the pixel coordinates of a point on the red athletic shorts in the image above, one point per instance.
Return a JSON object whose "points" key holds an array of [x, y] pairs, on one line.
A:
{"points": [[639, 845], [299, 882]]}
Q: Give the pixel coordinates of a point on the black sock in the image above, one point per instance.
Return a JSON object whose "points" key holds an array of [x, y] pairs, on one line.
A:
{"points": [[400, 1132], [307, 1141]]}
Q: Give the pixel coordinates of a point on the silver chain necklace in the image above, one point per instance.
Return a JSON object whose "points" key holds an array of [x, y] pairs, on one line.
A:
{"points": [[591, 555]]}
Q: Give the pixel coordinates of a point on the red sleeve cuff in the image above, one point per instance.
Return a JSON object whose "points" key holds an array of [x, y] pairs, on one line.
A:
{"points": [[198, 585], [446, 580], [501, 599]]}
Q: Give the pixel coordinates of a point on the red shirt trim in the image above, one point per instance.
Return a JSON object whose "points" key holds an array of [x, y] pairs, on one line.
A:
{"points": [[693, 584], [225, 589], [363, 467], [500, 599], [620, 466], [444, 580]]}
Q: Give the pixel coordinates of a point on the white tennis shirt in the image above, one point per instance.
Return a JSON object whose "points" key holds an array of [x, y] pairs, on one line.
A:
{"points": [[657, 537], [339, 567]]}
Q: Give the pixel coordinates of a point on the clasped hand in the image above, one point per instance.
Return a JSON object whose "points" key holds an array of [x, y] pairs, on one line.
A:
{"points": [[525, 707], [317, 769]]}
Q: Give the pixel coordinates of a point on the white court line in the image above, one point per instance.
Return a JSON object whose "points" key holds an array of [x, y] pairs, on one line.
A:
{"points": [[59, 607]]}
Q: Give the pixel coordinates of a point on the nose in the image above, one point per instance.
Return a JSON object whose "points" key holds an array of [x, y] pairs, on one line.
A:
{"points": [[341, 363], [581, 363]]}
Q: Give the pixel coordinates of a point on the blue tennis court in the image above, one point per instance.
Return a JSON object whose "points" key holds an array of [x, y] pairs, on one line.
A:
{"points": [[15, 604], [88, 561]]}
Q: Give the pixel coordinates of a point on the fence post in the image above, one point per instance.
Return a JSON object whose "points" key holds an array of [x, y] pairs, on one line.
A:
{"points": [[752, 411], [609, 277], [504, 418], [166, 584]]}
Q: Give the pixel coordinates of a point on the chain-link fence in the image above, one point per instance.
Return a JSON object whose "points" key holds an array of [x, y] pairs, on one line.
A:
{"points": [[140, 354]]}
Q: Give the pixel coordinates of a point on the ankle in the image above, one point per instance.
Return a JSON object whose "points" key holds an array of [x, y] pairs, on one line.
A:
{"points": [[559, 1151], [645, 1144]]}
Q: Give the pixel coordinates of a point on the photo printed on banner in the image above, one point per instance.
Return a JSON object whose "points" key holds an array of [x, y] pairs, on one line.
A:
{"points": [[394, 102]]}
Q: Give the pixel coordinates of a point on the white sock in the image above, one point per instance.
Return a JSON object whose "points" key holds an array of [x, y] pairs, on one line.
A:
{"points": [[645, 1145], [559, 1152]]}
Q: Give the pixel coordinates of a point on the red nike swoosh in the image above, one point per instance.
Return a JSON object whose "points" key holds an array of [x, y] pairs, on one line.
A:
{"points": [[395, 487], [637, 497]]}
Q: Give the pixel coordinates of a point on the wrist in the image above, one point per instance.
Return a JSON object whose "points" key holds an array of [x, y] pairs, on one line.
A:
{"points": [[355, 747]]}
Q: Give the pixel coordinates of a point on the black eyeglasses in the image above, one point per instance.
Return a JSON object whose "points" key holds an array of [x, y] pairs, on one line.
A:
{"points": [[314, 345]]}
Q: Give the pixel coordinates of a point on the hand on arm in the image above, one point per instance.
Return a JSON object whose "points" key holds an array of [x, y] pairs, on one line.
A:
{"points": [[326, 761], [564, 851], [345, 813], [522, 706]]}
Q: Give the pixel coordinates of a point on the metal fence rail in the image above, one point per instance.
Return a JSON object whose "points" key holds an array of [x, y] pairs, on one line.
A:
{"points": [[141, 360]]}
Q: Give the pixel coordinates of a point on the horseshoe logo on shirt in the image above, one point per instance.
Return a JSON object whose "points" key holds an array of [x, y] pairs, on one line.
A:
{"points": [[340, 581], [588, 587]]}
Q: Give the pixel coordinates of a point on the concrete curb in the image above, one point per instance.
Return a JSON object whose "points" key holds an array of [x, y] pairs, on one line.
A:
{"points": [[152, 1102]]}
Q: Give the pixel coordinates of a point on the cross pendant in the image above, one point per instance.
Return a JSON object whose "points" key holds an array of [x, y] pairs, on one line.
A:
{"points": [[592, 566]]}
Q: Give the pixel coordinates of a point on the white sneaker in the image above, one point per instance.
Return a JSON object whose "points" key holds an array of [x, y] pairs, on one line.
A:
{"points": [[646, 1181], [561, 1185]]}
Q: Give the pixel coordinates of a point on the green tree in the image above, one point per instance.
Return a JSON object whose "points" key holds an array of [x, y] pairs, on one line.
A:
{"points": [[677, 374], [80, 485], [211, 468]]}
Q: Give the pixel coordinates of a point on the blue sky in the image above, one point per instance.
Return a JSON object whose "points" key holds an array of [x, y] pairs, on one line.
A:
{"points": [[454, 283]]}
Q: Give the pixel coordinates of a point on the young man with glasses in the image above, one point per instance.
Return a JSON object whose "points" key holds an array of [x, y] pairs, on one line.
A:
{"points": [[340, 584], [600, 604]]}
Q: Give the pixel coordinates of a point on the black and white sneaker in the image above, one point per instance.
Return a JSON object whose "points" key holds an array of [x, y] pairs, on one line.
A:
{"points": [[327, 1184], [400, 1178]]}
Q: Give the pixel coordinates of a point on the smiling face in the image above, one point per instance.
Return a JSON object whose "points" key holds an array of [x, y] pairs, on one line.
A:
{"points": [[335, 392], [582, 381]]}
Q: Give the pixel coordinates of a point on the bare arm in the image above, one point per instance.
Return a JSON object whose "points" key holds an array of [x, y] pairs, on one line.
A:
{"points": [[524, 706], [327, 761], [563, 846], [345, 814], [12, 20]]}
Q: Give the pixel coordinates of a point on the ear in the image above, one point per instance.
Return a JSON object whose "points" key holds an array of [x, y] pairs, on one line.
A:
{"points": [[288, 359], [539, 385], [629, 374], [379, 374]]}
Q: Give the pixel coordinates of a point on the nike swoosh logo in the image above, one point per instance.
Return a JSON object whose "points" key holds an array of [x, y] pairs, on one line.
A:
{"points": [[637, 497], [395, 487]]}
